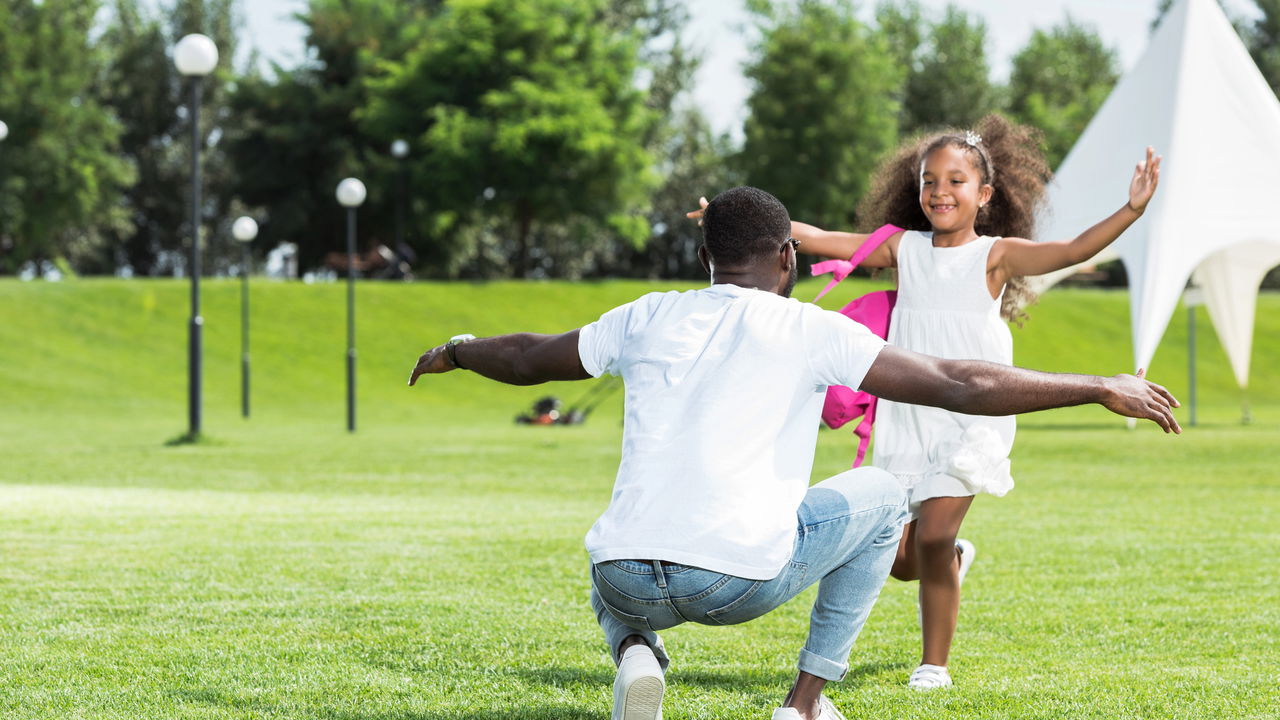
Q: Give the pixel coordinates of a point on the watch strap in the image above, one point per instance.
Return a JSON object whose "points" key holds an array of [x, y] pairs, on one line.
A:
{"points": [[451, 348]]}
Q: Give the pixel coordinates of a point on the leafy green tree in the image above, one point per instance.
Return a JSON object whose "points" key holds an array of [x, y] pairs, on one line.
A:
{"points": [[903, 25], [1059, 80], [823, 108], [525, 111], [690, 159], [138, 82], [949, 83], [299, 135], [1262, 37], [59, 172], [694, 162]]}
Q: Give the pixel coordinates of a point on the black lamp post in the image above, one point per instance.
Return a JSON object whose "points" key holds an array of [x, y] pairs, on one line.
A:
{"points": [[244, 230], [195, 56], [400, 151], [351, 194]]}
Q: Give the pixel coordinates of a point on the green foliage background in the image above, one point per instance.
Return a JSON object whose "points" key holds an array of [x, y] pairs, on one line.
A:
{"points": [[547, 139]]}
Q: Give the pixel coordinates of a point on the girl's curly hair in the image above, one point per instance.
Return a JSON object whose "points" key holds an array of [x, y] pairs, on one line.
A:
{"points": [[1008, 157]]}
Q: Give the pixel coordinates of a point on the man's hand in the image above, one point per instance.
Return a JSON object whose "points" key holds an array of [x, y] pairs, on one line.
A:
{"points": [[697, 214], [1135, 397], [1146, 176], [435, 360]]}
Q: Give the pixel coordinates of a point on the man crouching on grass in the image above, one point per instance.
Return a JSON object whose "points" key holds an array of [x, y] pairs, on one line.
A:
{"points": [[712, 519]]}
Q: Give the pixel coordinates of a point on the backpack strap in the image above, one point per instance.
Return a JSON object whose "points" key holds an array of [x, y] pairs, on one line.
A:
{"points": [[840, 269]]}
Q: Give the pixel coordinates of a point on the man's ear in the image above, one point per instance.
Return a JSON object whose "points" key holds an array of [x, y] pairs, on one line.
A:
{"points": [[704, 257], [787, 258]]}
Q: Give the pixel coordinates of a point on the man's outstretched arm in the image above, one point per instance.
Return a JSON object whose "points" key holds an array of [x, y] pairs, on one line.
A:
{"points": [[519, 359], [975, 387]]}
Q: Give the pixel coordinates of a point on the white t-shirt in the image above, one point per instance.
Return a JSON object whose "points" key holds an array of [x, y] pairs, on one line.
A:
{"points": [[724, 392]]}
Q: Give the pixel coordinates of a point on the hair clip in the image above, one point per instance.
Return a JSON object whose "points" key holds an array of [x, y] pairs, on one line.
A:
{"points": [[972, 138]]}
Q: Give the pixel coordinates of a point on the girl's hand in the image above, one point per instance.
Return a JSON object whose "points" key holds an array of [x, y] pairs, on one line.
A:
{"points": [[1145, 178], [697, 214]]}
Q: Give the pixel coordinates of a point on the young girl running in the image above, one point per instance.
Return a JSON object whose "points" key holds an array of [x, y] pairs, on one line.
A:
{"points": [[968, 202]]}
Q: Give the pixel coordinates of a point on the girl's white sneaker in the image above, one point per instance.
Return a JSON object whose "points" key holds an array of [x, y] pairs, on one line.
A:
{"points": [[967, 553], [929, 677]]}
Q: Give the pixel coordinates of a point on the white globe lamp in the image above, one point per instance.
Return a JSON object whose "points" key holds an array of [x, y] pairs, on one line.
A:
{"points": [[195, 55], [351, 193], [244, 229]]}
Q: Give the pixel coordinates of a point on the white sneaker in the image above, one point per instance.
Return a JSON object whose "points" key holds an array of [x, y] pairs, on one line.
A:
{"points": [[826, 711], [929, 677], [967, 554], [637, 691]]}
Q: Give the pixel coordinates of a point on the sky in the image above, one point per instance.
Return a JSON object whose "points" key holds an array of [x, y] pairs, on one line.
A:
{"points": [[721, 30]]}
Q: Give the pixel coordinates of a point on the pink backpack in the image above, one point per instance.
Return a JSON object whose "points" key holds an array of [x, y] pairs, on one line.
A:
{"points": [[872, 310]]}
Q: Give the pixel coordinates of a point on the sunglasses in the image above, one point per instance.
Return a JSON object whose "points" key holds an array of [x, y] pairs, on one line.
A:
{"points": [[794, 243]]}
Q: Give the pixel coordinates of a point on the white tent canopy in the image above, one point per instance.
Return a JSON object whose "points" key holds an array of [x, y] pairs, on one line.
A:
{"points": [[1196, 96]]}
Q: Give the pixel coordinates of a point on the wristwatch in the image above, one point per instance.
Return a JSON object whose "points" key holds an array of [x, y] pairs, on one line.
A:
{"points": [[451, 348]]}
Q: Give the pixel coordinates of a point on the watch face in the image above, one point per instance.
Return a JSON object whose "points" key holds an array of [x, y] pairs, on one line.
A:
{"points": [[462, 338]]}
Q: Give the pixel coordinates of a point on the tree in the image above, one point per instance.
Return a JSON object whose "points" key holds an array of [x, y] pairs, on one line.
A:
{"points": [[690, 160], [299, 133], [902, 24], [1059, 81], [59, 173], [527, 112], [139, 83], [822, 111], [693, 163], [1262, 37], [948, 83]]}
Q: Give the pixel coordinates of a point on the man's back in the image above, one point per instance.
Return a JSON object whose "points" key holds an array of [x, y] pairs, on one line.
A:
{"points": [[724, 391]]}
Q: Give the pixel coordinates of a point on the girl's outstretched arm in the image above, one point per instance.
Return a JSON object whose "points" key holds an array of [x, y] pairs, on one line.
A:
{"points": [[830, 243], [842, 245], [1019, 256]]}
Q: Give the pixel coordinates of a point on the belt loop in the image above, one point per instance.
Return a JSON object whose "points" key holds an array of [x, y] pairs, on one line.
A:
{"points": [[658, 575]]}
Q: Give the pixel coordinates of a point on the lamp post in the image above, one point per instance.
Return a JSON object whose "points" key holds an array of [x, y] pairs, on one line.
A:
{"points": [[195, 56], [351, 194], [244, 230], [400, 151]]}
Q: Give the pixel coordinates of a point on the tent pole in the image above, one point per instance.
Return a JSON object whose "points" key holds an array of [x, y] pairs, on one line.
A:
{"points": [[1191, 362]]}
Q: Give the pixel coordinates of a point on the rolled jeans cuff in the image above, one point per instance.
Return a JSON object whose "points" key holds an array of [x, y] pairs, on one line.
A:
{"points": [[822, 667]]}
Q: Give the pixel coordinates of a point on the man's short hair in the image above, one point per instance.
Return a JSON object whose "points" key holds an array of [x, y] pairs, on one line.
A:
{"points": [[744, 224]]}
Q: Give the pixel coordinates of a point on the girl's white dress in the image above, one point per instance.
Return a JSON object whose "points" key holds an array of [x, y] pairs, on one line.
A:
{"points": [[944, 309]]}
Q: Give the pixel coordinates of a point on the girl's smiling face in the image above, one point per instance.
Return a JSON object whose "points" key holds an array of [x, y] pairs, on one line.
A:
{"points": [[951, 189]]}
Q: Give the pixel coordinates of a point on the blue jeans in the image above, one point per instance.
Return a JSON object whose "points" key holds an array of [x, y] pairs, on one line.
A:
{"points": [[846, 536]]}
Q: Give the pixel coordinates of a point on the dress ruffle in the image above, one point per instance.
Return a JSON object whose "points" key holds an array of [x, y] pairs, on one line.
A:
{"points": [[980, 460]]}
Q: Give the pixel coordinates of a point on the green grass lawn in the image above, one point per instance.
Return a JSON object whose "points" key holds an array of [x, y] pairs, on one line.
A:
{"points": [[430, 567]]}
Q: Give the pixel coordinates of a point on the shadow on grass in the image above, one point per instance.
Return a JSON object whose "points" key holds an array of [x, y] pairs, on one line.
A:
{"points": [[763, 687], [724, 680], [544, 711], [189, 439]]}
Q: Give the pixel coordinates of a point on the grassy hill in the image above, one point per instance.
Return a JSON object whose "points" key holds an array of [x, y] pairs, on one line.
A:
{"points": [[98, 349]]}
